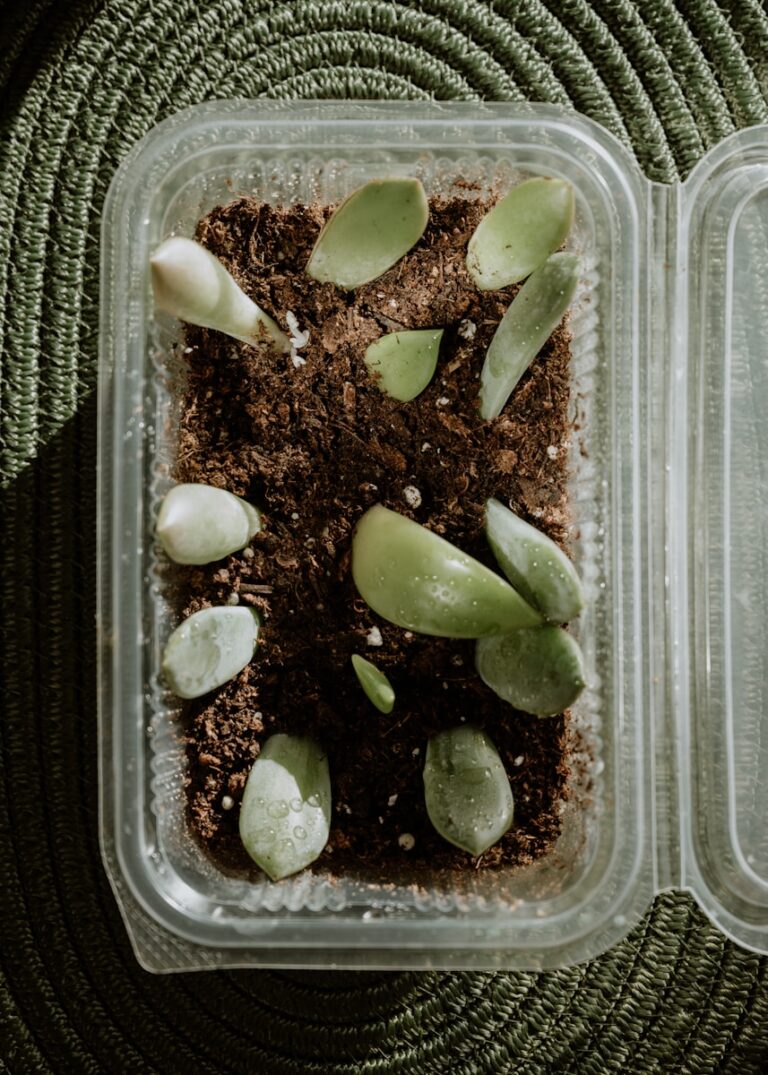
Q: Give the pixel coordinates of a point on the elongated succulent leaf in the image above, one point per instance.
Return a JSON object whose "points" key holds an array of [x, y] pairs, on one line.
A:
{"points": [[404, 362], [209, 648], [466, 790], [190, 283], [369, 231], [520, 232], [535, 312], [375, 684], [285, 814], [539, 671], [534, 564], [417, 580], [198, 524]]}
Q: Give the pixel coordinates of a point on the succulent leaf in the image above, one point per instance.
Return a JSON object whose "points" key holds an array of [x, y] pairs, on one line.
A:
{"points": [[520, 232], [375, 684], [285, 814], [539, 671], [466, 790], [209, 648], [193, 285], [369, 231], [534, 564], [198, 524], [404, 362], [418, 580], [534, 313]]}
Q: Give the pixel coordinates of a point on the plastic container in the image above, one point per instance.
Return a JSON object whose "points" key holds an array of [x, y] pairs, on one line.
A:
{"points": [[670, 386]]}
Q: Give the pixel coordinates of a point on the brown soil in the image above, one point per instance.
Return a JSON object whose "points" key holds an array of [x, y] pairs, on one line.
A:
{"points": [[315, 446]]}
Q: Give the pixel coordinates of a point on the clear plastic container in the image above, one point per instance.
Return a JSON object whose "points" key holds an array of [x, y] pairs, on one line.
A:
{"points": [[669, 494]]}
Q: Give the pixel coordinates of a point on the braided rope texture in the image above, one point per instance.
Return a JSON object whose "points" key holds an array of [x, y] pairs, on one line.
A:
{"points": [[80, 83]]}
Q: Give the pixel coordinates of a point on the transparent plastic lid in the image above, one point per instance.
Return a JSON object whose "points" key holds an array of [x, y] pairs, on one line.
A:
{"points": [[721, 450]]}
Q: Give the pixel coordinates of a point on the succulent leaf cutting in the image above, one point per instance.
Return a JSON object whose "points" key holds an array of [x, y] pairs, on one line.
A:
{"points": [[369, 232]]}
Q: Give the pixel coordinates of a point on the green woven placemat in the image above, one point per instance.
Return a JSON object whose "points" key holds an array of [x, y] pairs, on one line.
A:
{"points": [[81, 82]]}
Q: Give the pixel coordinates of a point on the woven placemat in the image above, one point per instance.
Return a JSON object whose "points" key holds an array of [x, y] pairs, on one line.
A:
{"points": [[81, 82]]}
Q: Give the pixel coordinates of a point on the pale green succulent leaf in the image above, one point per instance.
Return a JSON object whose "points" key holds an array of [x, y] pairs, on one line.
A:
{"points": [[198, 524], [418, 580], [377, 687], [539, 671], [193, 285], [209, 648], [533, 315], [403, 363], [520, 232], [285, 814], [534, 564], [466, 790], [369, 231]]}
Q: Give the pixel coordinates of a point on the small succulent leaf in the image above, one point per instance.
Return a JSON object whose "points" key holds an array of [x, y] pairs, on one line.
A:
{"points": [[403, 363], [198, 524], [418, 580], [375, 684], [537, 567], [538, 671], [209, 648], [466, 790], [369, 231], [520, 232], [193, 285], [534, 313], [285, 814]]}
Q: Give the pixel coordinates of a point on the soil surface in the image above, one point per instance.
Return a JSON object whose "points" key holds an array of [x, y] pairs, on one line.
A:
{"points": [[314, 445]]}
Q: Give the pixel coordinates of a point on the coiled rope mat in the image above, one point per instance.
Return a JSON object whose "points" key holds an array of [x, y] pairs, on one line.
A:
{"points": [[81, 82]]}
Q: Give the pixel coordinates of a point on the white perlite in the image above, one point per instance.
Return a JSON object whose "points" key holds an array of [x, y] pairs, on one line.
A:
{"points": [[227, 802], [407, 841], [552, 451], [467, 329], [373, 638], [298, 339], [392, 800], [412, 496]]}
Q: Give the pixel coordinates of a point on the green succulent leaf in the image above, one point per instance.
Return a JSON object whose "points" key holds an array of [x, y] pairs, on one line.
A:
{"points": [[193, 285], [534, 564], [418, 580], [404, 362], [533, 315], [539, 671], [198, 524], [375, 684], [285, 814], [369, 231], [466, 790], [520, 232], [209, 648]]}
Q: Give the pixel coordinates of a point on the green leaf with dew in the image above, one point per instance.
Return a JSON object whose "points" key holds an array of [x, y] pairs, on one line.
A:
{"points": [[209, 648], [534, 564], [418, 580], [285, 814], [466, 790], [539, 671]]}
